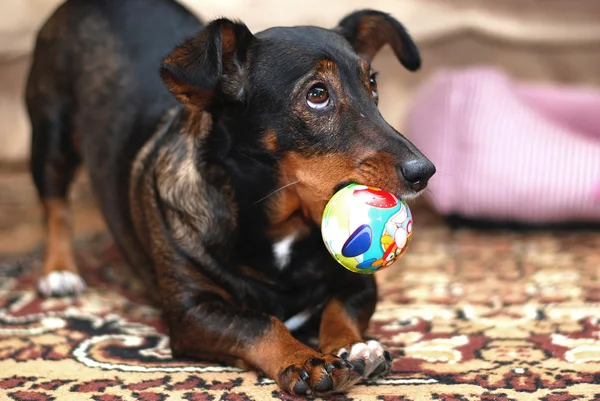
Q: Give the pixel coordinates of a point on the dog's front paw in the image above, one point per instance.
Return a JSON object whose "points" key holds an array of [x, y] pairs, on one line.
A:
{"points": [[376, 361], [61, 283], [320, 375]]}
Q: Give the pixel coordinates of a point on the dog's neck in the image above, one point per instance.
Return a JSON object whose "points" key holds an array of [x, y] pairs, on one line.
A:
{"points": [[265, 197]]}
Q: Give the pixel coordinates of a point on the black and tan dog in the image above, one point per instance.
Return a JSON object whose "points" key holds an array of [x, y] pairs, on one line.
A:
{"points": [[212, 152]]}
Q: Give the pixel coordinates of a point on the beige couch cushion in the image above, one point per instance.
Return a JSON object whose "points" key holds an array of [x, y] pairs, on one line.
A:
{"points": [[554, 40], [19, 21]]}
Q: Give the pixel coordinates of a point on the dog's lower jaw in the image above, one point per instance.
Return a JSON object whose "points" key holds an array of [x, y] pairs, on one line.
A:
{"points": [[412, 195]]}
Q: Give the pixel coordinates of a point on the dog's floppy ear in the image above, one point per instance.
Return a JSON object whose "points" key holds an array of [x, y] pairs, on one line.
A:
{"points": [[368, 30], [209, 64]]}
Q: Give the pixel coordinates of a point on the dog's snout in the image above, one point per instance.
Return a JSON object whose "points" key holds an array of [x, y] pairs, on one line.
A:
{"points": [[417, 172]]}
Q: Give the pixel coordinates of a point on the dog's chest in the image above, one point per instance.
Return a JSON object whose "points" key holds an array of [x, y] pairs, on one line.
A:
{"points": [[285, 236]]}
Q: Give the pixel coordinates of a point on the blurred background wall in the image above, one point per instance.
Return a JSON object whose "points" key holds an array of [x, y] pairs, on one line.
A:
{"points": [[545, 41]]}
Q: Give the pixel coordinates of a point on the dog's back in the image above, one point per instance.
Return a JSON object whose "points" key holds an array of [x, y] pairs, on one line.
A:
{"points": [[95, 93]]}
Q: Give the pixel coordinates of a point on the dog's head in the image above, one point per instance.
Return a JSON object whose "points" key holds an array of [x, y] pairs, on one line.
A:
{"points": [[307, 97]]}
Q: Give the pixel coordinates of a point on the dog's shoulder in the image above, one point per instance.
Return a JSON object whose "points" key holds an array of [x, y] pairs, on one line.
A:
{"points": [[171, 185]]}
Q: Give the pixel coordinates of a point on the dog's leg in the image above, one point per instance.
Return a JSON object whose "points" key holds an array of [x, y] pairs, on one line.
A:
{"points": [[344, 322], [205, 325], [54, 162]]}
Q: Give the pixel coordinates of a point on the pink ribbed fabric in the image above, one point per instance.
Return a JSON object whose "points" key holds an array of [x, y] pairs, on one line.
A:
{"points": [[509, 151]]}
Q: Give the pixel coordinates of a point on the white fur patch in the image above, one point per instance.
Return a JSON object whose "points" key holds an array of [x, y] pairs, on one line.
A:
{"points": [[283, 251], [61, 283], [371, 352], [297, 321]]}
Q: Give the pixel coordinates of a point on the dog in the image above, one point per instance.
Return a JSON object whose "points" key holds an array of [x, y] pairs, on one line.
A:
{"points": [[212, 152]]}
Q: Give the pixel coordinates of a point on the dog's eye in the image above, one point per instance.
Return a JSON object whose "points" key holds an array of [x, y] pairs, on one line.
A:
{"points": [[373, 84], [318, 96]]}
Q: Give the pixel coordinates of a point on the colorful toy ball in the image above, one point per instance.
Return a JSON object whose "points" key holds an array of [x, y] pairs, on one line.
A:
{"points": [[366, 229]]}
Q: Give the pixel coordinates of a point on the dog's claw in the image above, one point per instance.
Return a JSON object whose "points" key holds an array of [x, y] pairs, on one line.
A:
{"points": [[378, 370], [339, 364], [301, 387], [370, 359], [324, 385], [359, 366], [319, 376]]}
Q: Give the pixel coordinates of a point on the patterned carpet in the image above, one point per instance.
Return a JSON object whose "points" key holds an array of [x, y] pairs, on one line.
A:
{"points": [[469, 316]]}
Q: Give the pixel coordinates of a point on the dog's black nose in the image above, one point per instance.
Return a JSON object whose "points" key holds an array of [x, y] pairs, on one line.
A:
{"points": [[417, 172]]}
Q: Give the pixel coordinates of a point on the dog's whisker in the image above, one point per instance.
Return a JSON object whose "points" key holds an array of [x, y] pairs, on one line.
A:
{"points": [[277, 190], [431, 193], [443, 173]]}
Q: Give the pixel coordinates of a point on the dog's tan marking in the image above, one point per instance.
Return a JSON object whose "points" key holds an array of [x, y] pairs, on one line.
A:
{"points": [[283, 212], [59, 275], [318, 176], [338, 329], [277, 349], [269, 141], [327, 67], [364, 68], [379, 170], [59, 254]]}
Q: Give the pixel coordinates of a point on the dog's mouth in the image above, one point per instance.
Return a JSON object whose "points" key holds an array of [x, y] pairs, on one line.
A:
{"points": [[411, 194], [343, 185], [406, 193]]}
